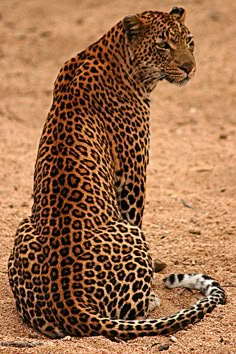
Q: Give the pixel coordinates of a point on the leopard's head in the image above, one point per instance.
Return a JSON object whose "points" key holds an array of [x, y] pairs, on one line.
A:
{"points": [[161, 47]]}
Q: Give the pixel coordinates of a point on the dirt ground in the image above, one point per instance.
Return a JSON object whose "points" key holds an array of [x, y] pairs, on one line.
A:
{"points": [[192, 161]]}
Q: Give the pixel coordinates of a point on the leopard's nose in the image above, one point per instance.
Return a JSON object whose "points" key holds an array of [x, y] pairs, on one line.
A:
{"points": [[187, 67]]}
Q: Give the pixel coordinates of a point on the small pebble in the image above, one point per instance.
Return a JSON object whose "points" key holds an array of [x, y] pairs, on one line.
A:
{"points": [[193, 110], [154, 344], [20, 35], [66, 338], [45, 34], [33, 335], [158, 265], [173, 339], [214, 15], [223, 136], [163, 347], [195, 231]]}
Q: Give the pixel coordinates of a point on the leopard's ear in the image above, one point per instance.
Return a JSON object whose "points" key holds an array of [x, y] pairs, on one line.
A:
{"points": [[178, 13], [134, 27]]}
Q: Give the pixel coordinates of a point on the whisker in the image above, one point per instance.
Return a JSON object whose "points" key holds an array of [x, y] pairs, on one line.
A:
{"points": [[147, 74]]}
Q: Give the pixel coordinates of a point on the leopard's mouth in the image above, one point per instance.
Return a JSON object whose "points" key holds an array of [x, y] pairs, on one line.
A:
{"points": [[176, 81], [180, 79]]}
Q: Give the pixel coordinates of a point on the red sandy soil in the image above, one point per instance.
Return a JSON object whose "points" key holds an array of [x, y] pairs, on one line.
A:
{"points": [[193, 158]]}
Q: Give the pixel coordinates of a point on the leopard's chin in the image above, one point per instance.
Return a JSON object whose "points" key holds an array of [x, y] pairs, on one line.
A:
{"points": [[182, 82]]}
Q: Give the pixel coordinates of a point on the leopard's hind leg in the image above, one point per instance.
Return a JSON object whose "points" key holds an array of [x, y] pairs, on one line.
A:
{"points": [[27, 267]]}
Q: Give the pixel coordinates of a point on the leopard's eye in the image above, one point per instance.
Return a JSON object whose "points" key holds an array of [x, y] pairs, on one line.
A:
{"points": [[190, 43], [163, 45]]}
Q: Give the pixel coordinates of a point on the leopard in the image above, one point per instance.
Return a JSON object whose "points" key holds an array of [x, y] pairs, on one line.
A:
{"points": [[80, 264]]}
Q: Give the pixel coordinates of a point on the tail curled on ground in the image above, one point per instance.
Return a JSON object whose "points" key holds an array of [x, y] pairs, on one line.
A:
{"points": [[126, 329]]}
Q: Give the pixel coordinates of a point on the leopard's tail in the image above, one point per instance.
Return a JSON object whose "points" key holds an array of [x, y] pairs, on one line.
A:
{"points": [[92, 323]]}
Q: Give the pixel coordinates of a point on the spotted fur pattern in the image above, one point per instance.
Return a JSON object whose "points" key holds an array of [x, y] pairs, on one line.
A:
{"points": [[80, 264]]}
